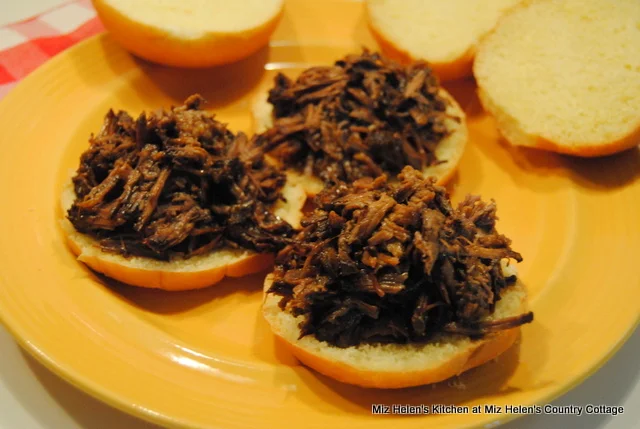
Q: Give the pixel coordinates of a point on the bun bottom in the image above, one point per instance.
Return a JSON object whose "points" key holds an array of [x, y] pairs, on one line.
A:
{"points": [[396, 365], [177, 275]]}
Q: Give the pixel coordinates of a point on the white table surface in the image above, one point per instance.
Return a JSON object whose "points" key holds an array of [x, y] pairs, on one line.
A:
{"points": [[33, 398]]}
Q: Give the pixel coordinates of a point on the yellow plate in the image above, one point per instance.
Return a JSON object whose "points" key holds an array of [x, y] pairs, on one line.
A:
{"points": [[206, 358]]}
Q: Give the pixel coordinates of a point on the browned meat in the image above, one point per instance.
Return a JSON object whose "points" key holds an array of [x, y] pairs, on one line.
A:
{"points": [[362, 117], [175, 183], [395, 262]]}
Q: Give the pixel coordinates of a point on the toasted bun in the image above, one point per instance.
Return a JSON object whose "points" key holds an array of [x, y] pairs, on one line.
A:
{"points": [[181, 274], [444, 33], [190, 33], [450, 149], [396, 365], [575, 89]]}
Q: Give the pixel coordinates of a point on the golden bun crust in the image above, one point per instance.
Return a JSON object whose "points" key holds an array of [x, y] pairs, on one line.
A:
{"points": [[396, 365]]}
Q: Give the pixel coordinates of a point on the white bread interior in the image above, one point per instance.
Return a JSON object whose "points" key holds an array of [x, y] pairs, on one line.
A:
{"points": [[194, 19], [190, 33], [564, 75]]}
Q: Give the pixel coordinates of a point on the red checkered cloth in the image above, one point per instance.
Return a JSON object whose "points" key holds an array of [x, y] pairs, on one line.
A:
{"points": [[25, 45]]}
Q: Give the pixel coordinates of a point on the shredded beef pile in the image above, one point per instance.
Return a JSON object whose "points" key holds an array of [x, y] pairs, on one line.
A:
{"points": [[176, 183], [362, 117], [379, 262]]}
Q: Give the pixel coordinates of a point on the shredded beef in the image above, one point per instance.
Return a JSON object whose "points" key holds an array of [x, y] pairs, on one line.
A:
{"points": [[362, 117], [395, 262], [176, 183]]}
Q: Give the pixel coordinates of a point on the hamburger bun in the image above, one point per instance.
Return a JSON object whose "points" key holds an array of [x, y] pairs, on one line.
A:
{"points": [[396, 365], [574, 90], [450, 149], [444, 33], [195, 272], [190, 33]]}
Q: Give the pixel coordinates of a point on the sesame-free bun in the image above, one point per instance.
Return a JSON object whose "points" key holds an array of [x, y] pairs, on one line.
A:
{"points": [[190, 33], [195, 272], [564, 75], [444, 33], [450, 149], [396, 365]]}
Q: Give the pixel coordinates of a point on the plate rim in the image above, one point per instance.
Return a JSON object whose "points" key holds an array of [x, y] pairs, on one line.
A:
{"points": [[114, 399]]}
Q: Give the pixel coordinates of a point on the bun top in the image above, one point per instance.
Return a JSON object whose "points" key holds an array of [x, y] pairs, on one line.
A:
{"points": [[196, 18], [434, 30], [566, 71]]}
